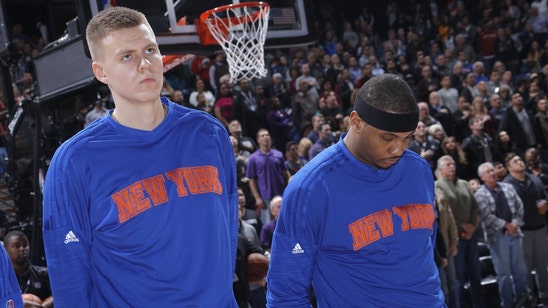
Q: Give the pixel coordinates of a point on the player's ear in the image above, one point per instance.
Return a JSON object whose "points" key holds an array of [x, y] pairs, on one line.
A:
{"points": [[99, 72], [355, 120]]}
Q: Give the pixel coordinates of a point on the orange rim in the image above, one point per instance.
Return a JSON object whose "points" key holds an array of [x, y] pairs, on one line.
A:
{"points": [[239, 19]]}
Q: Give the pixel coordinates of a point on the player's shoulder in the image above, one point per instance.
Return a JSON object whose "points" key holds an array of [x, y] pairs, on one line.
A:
{"points": [[411, 158], [195, 118]]}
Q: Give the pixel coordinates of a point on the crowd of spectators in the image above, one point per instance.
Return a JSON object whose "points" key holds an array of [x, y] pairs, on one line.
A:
{"points": [[479, 71]]}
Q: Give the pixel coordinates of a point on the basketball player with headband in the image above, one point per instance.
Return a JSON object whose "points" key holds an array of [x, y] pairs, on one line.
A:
{"points": [[357, 222]]}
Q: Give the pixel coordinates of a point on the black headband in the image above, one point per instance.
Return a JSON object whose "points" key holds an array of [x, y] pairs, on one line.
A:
{"points": [[387, 121]]}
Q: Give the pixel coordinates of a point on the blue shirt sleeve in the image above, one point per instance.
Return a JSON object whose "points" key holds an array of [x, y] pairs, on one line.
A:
{"points": [[65, 231], [10, 295]]}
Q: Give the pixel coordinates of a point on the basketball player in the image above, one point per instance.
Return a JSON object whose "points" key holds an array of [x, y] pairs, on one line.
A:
{"points": [[10, 294], [357, 222], [140, 207]]}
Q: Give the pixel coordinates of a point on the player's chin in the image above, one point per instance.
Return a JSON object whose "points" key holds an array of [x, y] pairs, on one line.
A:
{"points": [[387, 162]]}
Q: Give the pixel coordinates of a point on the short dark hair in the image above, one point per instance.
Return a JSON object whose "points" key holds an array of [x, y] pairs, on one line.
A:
{"points": [[508, 157], [390, 93], [13, 234], [290, 143]]}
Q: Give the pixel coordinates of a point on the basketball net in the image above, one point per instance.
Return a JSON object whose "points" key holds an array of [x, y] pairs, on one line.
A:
{"points": [[240, 29]]}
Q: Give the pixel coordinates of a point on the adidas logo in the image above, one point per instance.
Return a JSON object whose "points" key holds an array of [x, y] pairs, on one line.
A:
{"points": [[297, 249], [70, 237]]}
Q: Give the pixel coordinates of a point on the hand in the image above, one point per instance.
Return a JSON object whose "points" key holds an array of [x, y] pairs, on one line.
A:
{"points": [[427, 154], [511, 228], [453, 250], [468, 230], [444, 262], [259, 205]]}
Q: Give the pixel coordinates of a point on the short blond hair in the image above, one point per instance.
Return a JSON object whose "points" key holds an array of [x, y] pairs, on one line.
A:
{"points": [[108, 20]]}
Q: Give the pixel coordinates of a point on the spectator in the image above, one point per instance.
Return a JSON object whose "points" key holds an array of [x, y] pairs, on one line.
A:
{"points": [[201, 89], [535, 244], [332, 111], [430, 150], [519, 125], [294, 161], [436, 132], [223, 105], [479, 146], [480, 111], [244, 143], [540, 125], [246, 109], [536, 166], [501, 212], [469, 91], [304, 147], [447, 94], [465, 210], [179, 98], [247, 292], [268, 230], [200, 68], [32, 279], [281, 90], [97, 112], [281, 124], [448, 229], [496, 110], [324, 140], [345, 87], [304, 105], [267, 174], [10, 292], [313, 85], [449, 146], [250, 217]]}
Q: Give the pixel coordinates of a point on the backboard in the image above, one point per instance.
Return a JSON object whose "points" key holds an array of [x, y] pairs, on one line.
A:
{"points": [[174, 21]]}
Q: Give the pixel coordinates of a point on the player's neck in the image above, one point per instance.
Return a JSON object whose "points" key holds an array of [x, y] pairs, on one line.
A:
{"points": [[140, 117]]}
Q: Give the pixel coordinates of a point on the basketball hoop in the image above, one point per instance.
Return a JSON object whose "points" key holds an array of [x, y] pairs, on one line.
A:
{"points": [[240, 29]]}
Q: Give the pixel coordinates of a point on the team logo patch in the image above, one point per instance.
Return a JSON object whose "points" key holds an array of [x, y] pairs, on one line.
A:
{"points": [[10, 304]]}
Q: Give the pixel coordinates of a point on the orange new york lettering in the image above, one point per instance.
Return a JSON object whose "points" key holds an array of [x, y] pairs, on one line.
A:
{"points": [[191, 181], [176, 176], [155, 188], [123, 203], [364, 231], [130, 201], [415, 216], [214, 178], [141, 202], [385, 223], [402, 213], [203, 179]]}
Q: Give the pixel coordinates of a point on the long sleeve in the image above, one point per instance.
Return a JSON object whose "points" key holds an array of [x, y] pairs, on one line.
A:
{"points": [[67, 233], [487, 208], [293, 251], [9, 289]]}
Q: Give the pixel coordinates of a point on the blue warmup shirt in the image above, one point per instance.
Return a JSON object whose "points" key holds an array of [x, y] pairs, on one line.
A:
{"points": [[138, 218], [10, 294], [363, 237]]}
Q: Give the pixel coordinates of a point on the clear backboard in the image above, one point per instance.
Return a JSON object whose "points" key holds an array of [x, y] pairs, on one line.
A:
{"points": [[174, 21]]}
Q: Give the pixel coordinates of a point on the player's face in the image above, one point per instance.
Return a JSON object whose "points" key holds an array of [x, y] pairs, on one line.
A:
{"points": [[131, 65], [18, 250], [379, 148]]}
